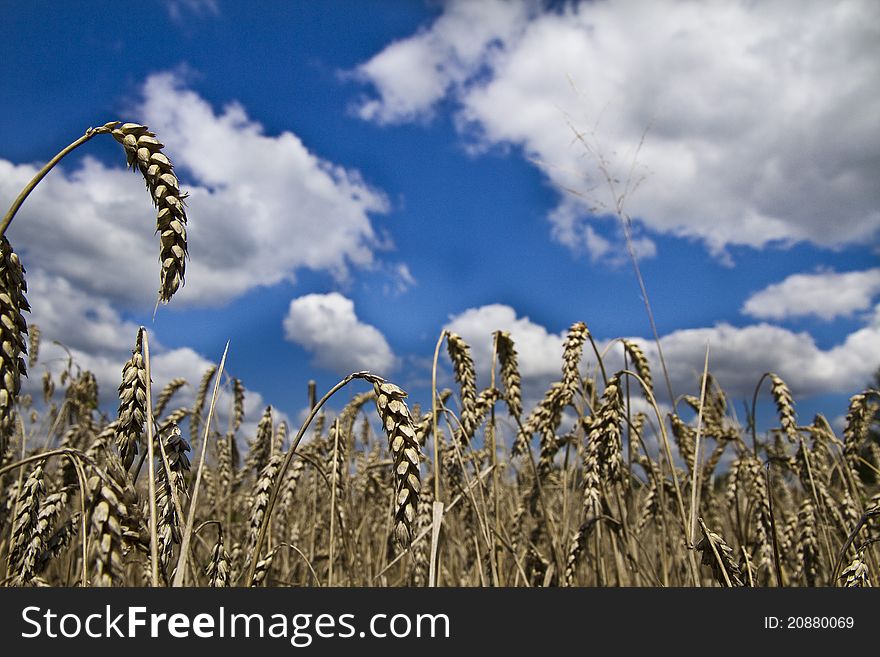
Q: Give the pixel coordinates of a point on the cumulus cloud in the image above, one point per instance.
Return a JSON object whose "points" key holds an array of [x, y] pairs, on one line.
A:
{"points": [[261, 207], [738, 356], [326, 326], [539, 351], [825, 294], [413, 74], [757, 116]]}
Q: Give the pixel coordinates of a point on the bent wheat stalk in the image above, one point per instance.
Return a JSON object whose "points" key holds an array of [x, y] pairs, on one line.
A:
{"points": [[144, 152]]}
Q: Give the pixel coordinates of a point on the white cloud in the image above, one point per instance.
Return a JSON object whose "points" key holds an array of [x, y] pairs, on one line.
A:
{"points": [[411, 75], [260, 208], [758, 112], [401, 280], [738, 356], [326, 325], [539, 351], [826, 294]]}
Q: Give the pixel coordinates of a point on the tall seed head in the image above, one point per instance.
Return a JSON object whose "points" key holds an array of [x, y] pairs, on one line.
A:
{"points": [[785, 407], [404, 449], [465, 375], [571, 357], [144, 152], [507, 356]]}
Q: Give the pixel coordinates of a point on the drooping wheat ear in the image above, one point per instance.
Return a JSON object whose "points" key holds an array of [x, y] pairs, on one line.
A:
{"points": [[572, 351], [237, 404], [34, 335], [640, 362], [13, 329], [168, 528], [27, 509], [217, 569], [195, 420], [167, 393], [261, 446], [398, 425], [784, 406], [856, 573], [466, 377], [132, 404], [507, 356], [144, 152], [718, 555]]}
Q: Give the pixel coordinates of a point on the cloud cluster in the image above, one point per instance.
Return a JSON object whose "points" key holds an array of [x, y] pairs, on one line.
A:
{"points": [[756, 115], [738, 356], [825, 294], [326, 326]]}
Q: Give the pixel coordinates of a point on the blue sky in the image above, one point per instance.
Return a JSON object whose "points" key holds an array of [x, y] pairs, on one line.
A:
{"points": [[364, 174]]}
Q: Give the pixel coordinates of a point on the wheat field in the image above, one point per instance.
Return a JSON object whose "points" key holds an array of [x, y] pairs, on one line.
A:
{"points": [[596, 485]]}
